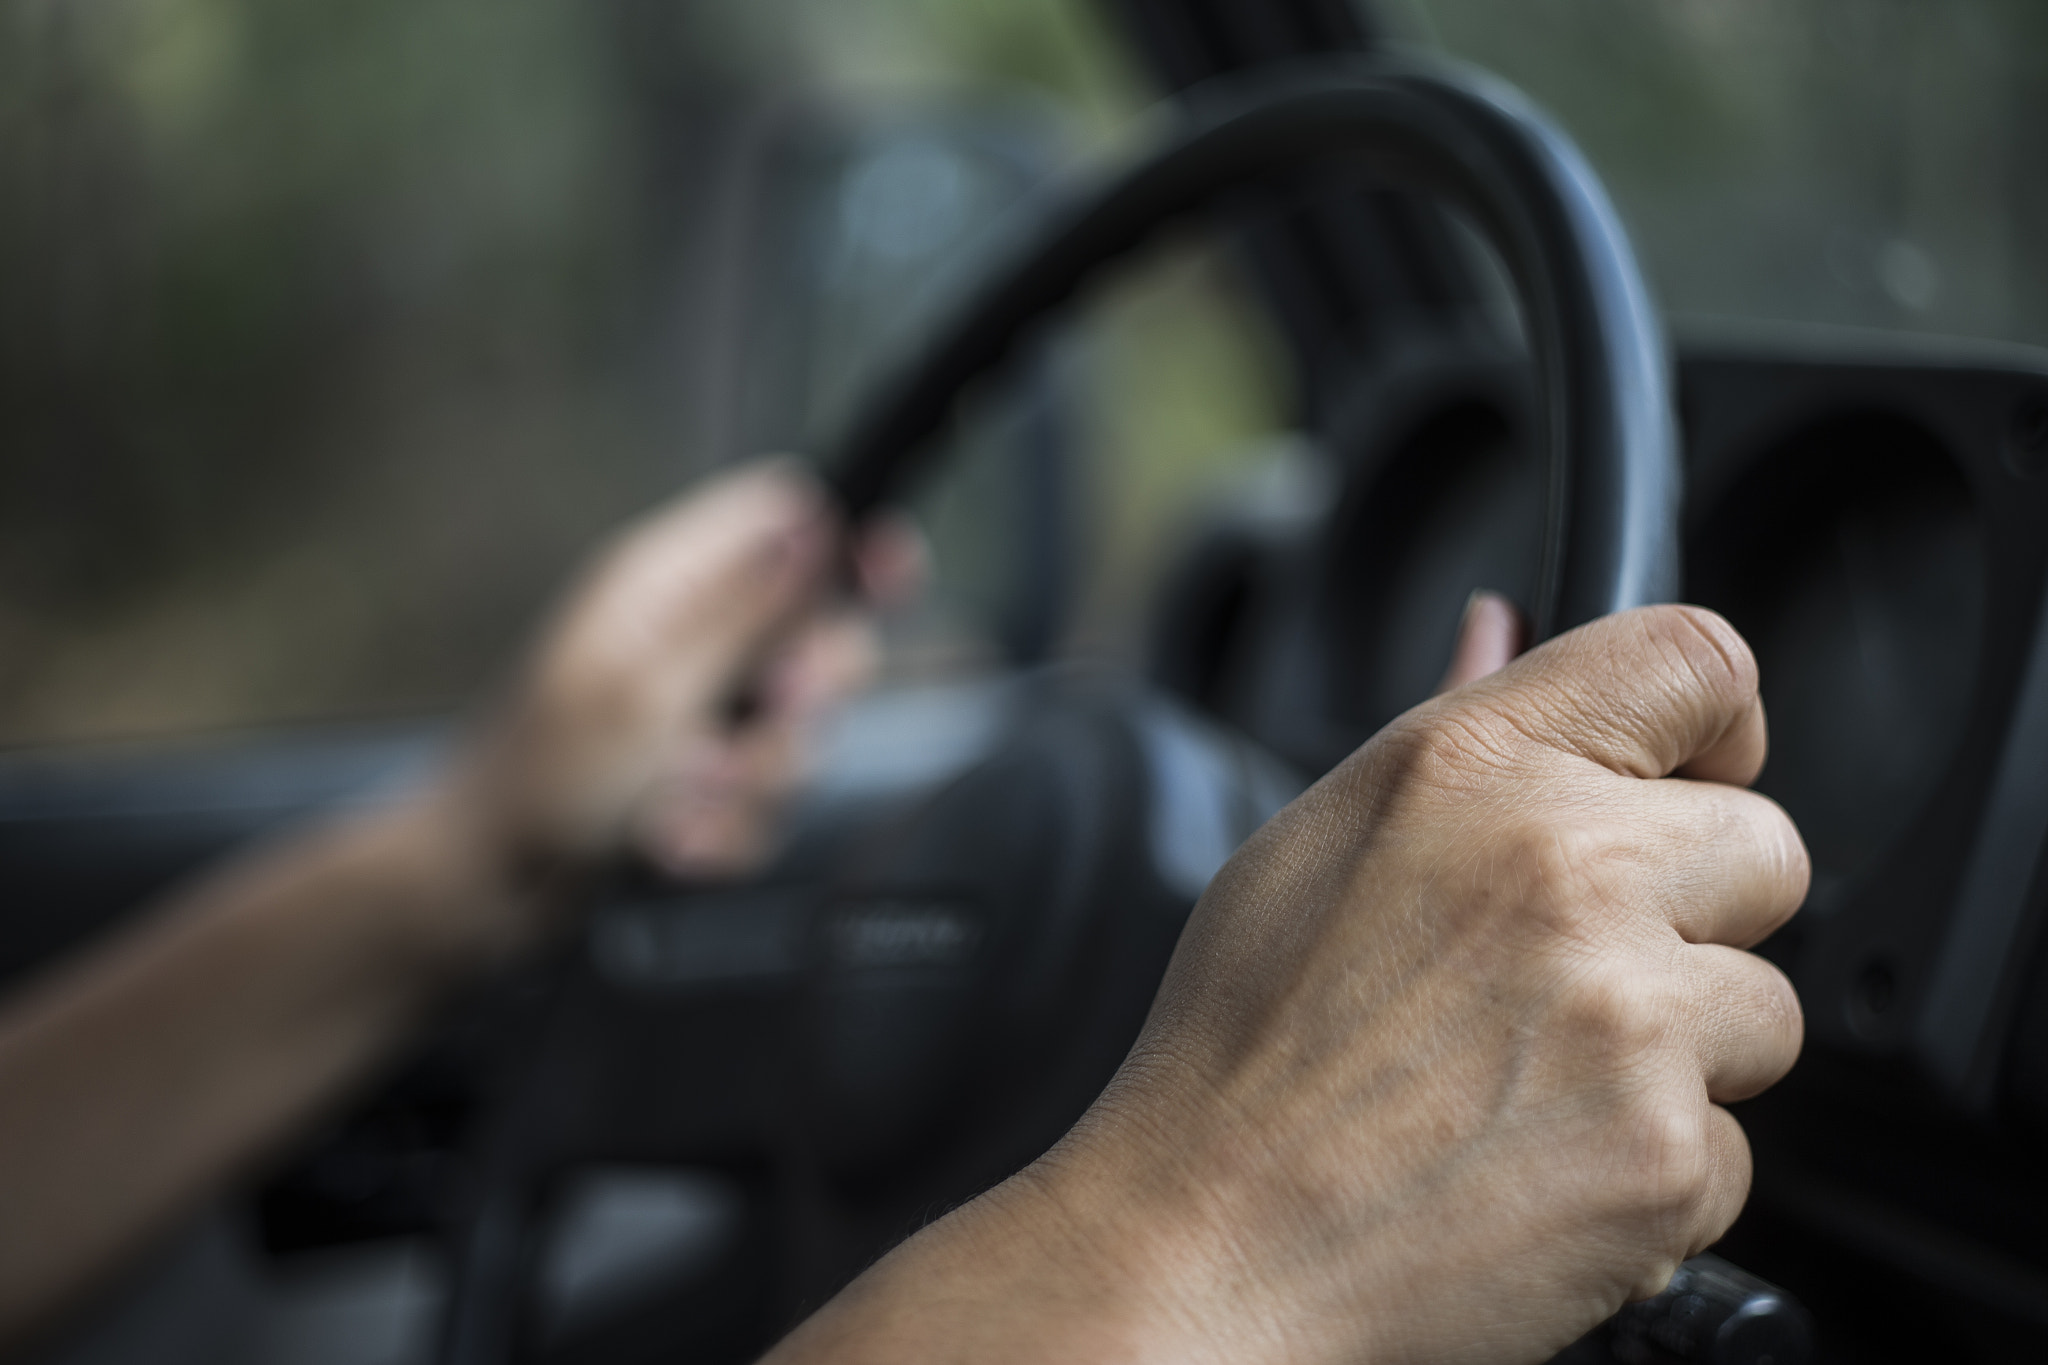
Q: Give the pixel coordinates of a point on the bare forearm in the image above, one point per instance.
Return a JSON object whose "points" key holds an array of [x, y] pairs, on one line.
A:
{"points": [[1098, 1253], [998, 1281], [137, 1078]]}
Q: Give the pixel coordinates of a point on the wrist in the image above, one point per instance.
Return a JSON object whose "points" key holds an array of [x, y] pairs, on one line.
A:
{"points": [[457, 898], [1165, 1237], [1090, 1253]]}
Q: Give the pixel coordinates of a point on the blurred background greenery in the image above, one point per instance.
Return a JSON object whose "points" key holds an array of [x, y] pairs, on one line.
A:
{"points": [[330, 334]]}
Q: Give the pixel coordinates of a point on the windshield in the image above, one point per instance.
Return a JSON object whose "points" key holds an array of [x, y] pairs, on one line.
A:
{"points": [[331, 334], [1869, 163]]}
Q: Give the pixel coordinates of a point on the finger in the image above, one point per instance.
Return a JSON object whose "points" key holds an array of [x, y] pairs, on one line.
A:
{"points": [[1739, 755], [1748, 1026], [1731, 867], [721, 520], [1646, 692], [893, 560], [1730, 1165], [719, 813], [688, 604], [822, 662], [1490, 634], [1725, 1173], [752, 555], [702, 841]]}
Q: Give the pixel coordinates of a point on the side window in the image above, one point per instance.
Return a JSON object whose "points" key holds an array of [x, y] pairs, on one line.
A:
{"points": [[314, 352], [1870, 163], [331, 334]]}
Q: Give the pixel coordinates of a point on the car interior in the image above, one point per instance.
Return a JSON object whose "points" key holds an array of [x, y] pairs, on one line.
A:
{"points": [[681, 1131]]}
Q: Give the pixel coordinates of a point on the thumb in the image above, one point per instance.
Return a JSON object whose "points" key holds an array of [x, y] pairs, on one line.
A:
{"points": [[1649, 692], [1490, 635], [698, 592], [770, 579], [662, 631]]}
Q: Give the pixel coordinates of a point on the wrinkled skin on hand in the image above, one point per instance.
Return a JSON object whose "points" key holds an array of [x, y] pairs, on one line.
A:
{"points": [[1479, 997], [1437, 1071]]}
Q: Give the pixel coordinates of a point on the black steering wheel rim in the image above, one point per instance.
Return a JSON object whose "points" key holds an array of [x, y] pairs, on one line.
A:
{"points": [[1605, 415], [1610, 529]]}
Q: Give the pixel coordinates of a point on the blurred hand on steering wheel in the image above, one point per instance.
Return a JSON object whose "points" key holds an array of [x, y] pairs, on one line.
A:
{"points": [[668, 703], [666, 706]]}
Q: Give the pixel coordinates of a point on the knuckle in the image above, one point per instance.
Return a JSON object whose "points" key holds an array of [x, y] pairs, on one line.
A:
{"points": [[1761, 824], [1778, 1008], [1563, 868], [1452, 744], [1671, 1174], [1796, 860], [1749, 832], [1707, 646], [1431, 755], [1618, 1019]]}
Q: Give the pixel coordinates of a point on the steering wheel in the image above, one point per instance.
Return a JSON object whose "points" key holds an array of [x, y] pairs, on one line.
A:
{"points": [[944, 969], [1605, 415]]}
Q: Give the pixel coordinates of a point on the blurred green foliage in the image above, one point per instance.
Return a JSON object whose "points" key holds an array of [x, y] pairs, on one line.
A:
{"points": [[1864, 162], [330, 333], [273, 274]]}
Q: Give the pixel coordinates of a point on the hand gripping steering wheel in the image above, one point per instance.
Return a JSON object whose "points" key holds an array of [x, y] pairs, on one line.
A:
{"points": [[933, 984]]}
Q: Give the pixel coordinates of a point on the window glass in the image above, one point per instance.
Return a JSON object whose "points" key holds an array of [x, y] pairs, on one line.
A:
{"points": [[316, 331], [1875, 163], [331, 334]]}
